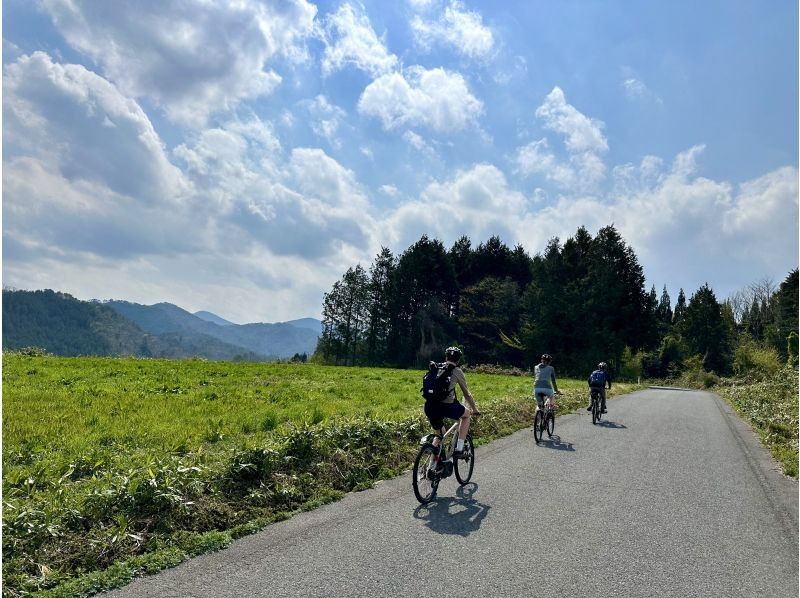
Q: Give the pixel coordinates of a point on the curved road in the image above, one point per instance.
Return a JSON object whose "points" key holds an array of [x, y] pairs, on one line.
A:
{"points": [[671, 495]]}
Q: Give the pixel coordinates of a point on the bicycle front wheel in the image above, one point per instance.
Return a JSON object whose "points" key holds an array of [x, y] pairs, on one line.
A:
{"points": [[538, 426], [425, 480], [464, 465], [551, 424]]}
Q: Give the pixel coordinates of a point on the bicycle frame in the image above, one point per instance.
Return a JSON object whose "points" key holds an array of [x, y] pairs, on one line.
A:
{"points": [[448, 451]]}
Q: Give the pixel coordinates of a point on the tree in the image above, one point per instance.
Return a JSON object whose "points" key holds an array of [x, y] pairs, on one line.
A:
{"points": [[490, 311], [380, 304], [345, 313], [706, 332], [784, 310], [424, 284]]}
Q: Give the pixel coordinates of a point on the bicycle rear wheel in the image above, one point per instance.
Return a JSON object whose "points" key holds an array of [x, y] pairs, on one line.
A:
{"points": [[551, 424], [538, 426], [595, 410], [425, 480], [464, 465]]}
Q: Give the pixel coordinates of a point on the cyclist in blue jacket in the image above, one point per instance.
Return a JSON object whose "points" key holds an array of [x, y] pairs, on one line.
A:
{"points": [[597, 382]]}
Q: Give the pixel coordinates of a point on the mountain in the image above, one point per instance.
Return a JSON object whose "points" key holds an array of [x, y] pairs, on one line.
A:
{"points": [[209, 317], [280, 340], [63, 325], [309, 323]]}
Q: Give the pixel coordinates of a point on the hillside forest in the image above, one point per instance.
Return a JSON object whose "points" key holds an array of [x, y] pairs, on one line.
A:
{"points": [[583, 301]]}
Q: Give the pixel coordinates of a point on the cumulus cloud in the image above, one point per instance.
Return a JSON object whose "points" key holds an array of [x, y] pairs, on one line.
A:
{"points": [[350, 41], [437, 99], [460, 29], [191, 58], [581, 133], [477, 202], [584, 142], [62, 114]]}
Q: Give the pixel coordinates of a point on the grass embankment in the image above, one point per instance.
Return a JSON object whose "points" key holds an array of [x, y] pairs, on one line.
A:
{"points": [[113, 467], [771, 407]]}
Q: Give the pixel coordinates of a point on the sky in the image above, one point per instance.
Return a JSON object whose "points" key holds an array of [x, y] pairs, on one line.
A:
{"points": [[239, 156]]}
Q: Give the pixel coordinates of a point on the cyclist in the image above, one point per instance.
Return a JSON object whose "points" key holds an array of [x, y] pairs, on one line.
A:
{"points": [[450, 407], [597, 382], [544, 382]]}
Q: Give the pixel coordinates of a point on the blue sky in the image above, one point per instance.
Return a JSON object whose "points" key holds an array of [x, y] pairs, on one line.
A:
{"points": [[238, 157]]}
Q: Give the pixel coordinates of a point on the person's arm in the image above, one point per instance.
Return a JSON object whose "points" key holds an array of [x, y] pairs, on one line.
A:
{"points": [[461, 379], [608, 379], [553, 378]]}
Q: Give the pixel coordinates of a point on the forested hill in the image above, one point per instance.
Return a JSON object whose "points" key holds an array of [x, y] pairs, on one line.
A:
{"points": [[63, 325], [583, 301]]}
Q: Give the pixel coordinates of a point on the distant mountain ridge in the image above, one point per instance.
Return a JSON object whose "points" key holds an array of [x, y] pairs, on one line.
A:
{"points": [[64, 325], [209, 317], [281, 340]]}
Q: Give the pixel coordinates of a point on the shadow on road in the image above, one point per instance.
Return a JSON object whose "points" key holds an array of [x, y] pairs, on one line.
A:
{"points": [[459, 515], [557, 444], [611, 425]]}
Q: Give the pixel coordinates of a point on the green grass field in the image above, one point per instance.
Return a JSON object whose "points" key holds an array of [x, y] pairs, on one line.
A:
{"points": [[117, 466]]}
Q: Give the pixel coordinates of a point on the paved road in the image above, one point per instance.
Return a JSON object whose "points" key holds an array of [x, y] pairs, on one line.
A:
{"points": [[671, 496]]}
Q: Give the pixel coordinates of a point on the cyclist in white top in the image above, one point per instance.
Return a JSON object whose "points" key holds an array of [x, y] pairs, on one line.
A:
{"points": [[544, 381]]}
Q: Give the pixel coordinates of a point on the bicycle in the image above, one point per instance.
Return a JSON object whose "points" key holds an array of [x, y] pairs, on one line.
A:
{"points": [[544, 420], [435, 463], [596, 406]]}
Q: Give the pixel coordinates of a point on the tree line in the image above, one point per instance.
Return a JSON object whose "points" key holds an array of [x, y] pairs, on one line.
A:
{"points": [[583, 301]]}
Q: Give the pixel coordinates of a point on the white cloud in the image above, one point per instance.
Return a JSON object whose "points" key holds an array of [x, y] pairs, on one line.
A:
{"points": [[635, 89], [436, 98], [584, 141], [325, 118], [350, 41], [582, 134], [418, 143], [477, 202], [192, 58], [61, 114], [456, 27], [389, 190]]}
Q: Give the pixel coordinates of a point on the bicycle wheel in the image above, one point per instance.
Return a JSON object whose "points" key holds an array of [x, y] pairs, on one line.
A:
{"points": [[425, 481], [538, 426], [464, 465], [595, 411], [551, 424]]}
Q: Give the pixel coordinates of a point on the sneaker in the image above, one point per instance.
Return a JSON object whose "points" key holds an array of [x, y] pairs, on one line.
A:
{"points": [[589, 408], [458, 454], [603, 411]]}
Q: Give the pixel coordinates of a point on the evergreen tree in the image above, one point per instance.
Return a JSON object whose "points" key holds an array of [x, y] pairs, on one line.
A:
{"points": [[706, 332], [380, 304], [680, 311]]}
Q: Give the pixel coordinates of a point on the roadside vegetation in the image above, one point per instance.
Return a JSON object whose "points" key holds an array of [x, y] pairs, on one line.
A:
{"points": [[113, 467]]}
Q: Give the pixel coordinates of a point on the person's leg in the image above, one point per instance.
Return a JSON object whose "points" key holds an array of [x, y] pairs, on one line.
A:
{"points": [[463, 424]]}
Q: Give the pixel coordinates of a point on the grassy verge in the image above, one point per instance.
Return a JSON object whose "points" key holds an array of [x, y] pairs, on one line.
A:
{"points": [[114, 468], [771, 407]]}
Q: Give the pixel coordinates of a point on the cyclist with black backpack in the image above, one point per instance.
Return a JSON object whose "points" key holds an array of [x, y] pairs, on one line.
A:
{"points": [[597, 382], [439, 390]]}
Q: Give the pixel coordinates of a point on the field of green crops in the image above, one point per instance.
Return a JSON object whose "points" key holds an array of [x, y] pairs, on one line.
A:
{"points": [[113, 467]]}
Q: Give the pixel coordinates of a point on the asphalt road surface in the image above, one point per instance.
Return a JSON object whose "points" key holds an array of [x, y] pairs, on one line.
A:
{"points": [[671, 495]]}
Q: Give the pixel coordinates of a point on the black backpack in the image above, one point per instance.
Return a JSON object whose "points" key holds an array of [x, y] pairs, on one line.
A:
{"points": [[436, 383]]}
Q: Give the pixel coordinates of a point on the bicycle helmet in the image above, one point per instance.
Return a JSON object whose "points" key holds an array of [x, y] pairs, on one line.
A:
{"points": [[602, 365], [453, 354], [547, 357]]}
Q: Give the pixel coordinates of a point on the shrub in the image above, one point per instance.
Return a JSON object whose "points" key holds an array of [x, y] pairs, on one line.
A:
{"points": [[755, 361]]}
